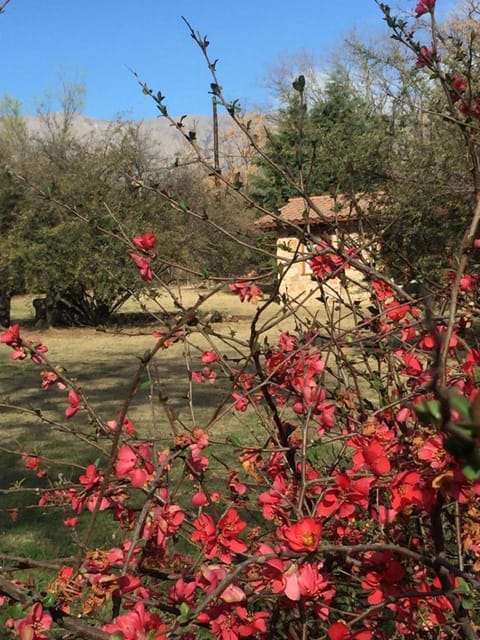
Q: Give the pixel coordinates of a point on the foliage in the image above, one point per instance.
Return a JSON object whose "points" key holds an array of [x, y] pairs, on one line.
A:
{"points": [[350, 508], [336, 144], [66, 200], [427, 155]]}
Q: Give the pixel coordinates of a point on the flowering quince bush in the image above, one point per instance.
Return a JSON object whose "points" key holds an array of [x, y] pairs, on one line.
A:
{"points": [[351, 510]]}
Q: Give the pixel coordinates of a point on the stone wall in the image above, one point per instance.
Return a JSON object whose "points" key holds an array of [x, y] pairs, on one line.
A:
{"points": [[299, 280]]}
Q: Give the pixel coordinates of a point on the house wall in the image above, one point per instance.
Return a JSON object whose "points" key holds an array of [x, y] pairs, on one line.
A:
{"points": [[299, 279]]}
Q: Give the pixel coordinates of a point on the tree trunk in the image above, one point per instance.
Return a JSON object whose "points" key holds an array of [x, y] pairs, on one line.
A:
{"points": [[5, 309]]}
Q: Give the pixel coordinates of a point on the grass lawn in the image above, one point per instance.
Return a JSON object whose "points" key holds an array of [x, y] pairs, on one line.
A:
{"points": [[103, 364]]}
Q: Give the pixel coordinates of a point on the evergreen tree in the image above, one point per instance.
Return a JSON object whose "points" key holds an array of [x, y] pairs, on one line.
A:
{"points": [[338, 144]]}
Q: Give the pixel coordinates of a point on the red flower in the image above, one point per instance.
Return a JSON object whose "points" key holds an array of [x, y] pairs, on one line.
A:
{"points": [[303, 535], [136, 623], [406, 489], [340, 631], [396, 311], [145, 242], [246, 291], [73, 403], [326, 262], [91, 477], [220, 540], [424, 58], [459, 86], [424, 6], [71, 522], [33, 626], [382, 289], [208, 357], [370, 452], [166, 520], [143, 265], [251, 623], [11, 336]]}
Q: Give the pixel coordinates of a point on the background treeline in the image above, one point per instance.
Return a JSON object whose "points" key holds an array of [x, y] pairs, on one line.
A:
{"points": [[372, 123], [66, 205]]}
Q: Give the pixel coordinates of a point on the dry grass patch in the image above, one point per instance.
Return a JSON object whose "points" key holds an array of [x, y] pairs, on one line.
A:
{"points": [[103, 363]]}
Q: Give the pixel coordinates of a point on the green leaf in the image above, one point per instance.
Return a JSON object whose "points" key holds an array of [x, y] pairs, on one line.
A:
{"points": [[463, 587], [429, 411], [235, 441], [460, 404], [377, 383], [470, 472], [15, 611], [184, 613], [49, 600]]}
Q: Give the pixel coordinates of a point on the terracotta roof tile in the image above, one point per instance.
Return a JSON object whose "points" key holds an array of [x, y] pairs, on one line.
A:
{"points": [[296, 211]]}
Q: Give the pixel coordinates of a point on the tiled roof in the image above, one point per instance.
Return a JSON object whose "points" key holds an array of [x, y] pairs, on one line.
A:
{"points": [[330, 209]]}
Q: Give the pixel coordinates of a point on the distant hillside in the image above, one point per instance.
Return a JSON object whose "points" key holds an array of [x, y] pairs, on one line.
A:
{"points": [[163, 141]]}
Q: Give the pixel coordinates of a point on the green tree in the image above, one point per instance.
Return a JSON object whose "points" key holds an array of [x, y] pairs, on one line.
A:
{"points": [[80, 202], [13, 137], [337, 144], [427, 154]]}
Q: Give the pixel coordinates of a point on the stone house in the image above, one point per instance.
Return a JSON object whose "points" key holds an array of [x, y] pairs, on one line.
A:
{"points": [[335, 220]]}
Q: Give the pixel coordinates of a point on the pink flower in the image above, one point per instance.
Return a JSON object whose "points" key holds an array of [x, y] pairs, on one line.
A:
{"points": [[31, 462], [241, 402], [33, 626], [468, 282], [246, 291], [71, 522], [143, 265], [199, 499], [213, 575], [424, 6], [11, 336], [208, 357], [127, 459], [18, 353], [73, 403], [424, 58], [146, 241]]}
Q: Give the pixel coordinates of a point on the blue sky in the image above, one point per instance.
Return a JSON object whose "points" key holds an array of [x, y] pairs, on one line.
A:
{"points": [[95, 41]]}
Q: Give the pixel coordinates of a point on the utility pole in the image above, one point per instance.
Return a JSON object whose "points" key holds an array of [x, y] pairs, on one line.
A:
{"points": [[216, 155]]}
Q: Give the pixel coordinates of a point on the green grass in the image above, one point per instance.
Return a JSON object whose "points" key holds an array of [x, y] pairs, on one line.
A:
{"points": [[103, 363]]}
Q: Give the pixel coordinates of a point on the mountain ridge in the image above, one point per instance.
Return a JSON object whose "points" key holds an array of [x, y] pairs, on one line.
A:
{"points": [[161, 138]]}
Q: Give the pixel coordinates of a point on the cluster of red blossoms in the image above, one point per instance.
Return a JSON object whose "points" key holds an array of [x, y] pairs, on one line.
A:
{"points": [[322, 528], [423, 7], [146, 242]]}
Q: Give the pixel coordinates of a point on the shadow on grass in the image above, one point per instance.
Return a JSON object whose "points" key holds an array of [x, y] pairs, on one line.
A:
{"points": [[33, 531], [39, 532]]}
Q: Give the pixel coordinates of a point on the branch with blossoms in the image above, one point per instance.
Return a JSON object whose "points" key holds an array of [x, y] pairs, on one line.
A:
{"points": [[346, 506]]}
